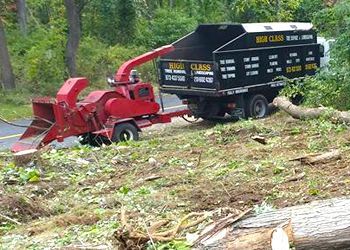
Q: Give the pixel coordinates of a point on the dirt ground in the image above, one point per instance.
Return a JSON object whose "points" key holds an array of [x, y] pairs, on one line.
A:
{"points": [[77, 195]]}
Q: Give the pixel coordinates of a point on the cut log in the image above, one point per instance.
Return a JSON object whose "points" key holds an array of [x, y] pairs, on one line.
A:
{"points": [[24, 157], [259, 139], [310, 113], [320, 225]]}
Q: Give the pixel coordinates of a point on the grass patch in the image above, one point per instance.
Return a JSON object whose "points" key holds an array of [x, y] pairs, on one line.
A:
{"points": [[12, 112], [15, 105]]}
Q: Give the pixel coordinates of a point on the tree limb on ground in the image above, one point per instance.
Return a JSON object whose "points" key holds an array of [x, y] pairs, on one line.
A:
{"points": [[302, 113], [319, 158], [318, 225], [130, 238]]}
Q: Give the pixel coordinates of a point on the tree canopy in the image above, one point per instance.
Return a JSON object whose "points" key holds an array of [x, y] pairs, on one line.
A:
{"points": [[112, 31]]}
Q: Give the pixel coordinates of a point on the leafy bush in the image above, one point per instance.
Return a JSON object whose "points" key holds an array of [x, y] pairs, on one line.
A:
{"points": [[38, 61], [264, 11], [165, 28], [331, 87], [97, 61]]}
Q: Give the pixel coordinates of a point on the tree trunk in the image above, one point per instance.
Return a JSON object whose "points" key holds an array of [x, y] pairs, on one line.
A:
{"points": [[73, 36], [7, 77], [321, 225], [22, 16], [310, 113], [171, 3]]}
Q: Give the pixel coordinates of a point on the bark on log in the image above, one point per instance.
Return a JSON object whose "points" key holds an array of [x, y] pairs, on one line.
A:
{"points": [[310, 113], [321, 225], [24, 157]]}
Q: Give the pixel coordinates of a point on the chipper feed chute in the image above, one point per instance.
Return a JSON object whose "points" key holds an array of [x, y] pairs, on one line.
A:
{"points": [[42, 129], [53, 118]]}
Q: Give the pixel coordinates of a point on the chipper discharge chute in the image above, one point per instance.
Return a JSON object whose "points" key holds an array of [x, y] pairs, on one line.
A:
{"points": [[104, 116]]}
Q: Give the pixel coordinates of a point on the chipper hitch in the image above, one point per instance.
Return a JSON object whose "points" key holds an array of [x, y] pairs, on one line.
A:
{"points": [[104, 116]]}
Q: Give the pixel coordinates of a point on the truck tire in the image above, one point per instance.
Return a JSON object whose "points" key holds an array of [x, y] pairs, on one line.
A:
{"points": [[257, 106], [125, 132]]}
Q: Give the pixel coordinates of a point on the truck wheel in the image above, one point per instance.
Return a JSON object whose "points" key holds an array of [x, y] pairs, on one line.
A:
{"points": [[125, 132], [257, 107]]}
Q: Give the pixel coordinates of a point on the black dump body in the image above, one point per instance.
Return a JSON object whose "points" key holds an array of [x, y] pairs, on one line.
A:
{"points": [[227, 59]]}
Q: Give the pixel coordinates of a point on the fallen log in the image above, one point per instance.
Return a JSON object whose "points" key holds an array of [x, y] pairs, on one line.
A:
{"points": [[320, 225], [319, 158], [302, 113]]}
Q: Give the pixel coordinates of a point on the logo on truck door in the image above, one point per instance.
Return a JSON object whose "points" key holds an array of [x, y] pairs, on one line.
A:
{"points": [[271, 39], [175, 72], [202, 73], [175, 65], [201, 67]]}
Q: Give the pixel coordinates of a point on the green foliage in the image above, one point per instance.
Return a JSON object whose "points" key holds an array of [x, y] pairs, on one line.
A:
{"points": [[264, 207], [45, 69], [97, 61], [308, 9], [11, 111], [114, 31], [166, 27], [314, 187], [12, 173], [173, 245], [124, 190], [111, 21], [264, 10], [331, 87], [293, 89], [126, 22]]}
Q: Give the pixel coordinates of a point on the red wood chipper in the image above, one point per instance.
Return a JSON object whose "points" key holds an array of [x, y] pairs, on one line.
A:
{"points": [[104, 116]]}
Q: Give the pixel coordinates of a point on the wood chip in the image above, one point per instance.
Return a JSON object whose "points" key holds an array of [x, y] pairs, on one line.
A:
{"points": [[296, 178], [152, 178], [259, 139]]}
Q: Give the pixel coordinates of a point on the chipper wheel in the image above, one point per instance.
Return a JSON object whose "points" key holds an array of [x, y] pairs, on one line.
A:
{"points": [[125, 132], [94, 140], [257, 107]]}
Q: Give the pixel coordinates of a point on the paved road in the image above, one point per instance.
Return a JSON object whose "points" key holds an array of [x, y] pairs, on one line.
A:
{"points": [[10, 134]]}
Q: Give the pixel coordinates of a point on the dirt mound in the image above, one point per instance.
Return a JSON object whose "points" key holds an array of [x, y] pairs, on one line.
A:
{"points": [[22, 208]]}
